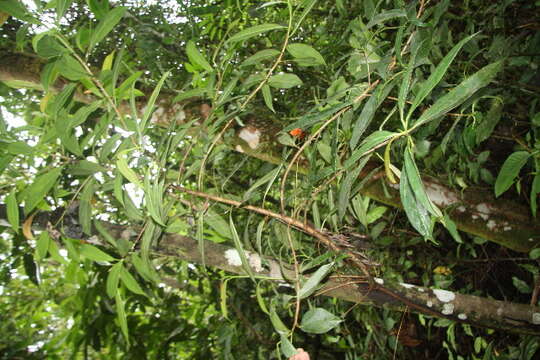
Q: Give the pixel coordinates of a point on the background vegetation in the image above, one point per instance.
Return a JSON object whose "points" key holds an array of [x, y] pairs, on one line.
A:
{"points": [[403, 136]]}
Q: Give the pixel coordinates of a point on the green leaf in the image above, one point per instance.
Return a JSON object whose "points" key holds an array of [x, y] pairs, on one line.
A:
{"points": [[386, 15], [279, 326], [151, 102], [313, 118], [106, 25], [284, 81], [48, 46], [93, 253], [437, 75], [85, 207], [196, 57], [267, 96], [287, 348], [314, 280], [36, 192], [370, 143], [240, 249], [70, 68], [368, 112], [260, 56], [260, 182], [535, 190], [345, 189], [305, 55], [319, 321], [61, 7], [217, 223], [521, 285], [19, 148], [125, 170], [534, 254], [253, 31], [415, 211], [510, 170], [85, 168], [113, 278], [489, 121], [42, 245], [16, 9], [144, 268], [460, 93], [130, 281], [13, 211], [416, 184], [122, 319]]}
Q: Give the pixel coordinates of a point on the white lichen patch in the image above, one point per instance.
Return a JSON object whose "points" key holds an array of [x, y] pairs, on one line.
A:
{"points": [[461, 208], [251, 135], [462, 316], [156, 116], [447, 309], [499, 311], [407, 286], [379, 281], [507, 228], [179, 116], [484, 210], [255, 262], [239, 148], [475, 217], [233, 257], [429, 303], [491, 225], [275, 270], [440, 195], [444, 295], [536, 318]]}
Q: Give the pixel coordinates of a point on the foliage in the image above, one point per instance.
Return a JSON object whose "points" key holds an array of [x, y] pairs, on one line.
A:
{"points": [[413, 87]]}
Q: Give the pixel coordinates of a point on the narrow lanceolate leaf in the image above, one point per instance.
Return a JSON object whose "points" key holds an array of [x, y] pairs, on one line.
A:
{"points": [[105, 26], [437, 75], [13, 211], [416, 184], [254, 31], [130, 281], [267, 96], [345, 189], [240, 249], [42, 245], [313, 282], [93, 253], [510, 170], [416, 212], [113, 279], [370, 143], [196, 57], [151, 102], [125, 170], [122, 319], [368, 112], [39, 188], [260, 182], [461, 93], [284, 81]]}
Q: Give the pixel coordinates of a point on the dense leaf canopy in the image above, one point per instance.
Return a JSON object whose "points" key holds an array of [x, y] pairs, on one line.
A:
{"points": [[225, 179]]}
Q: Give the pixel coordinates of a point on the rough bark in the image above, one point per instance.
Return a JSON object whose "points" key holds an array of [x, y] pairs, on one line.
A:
{"points": [[475, 211]]}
